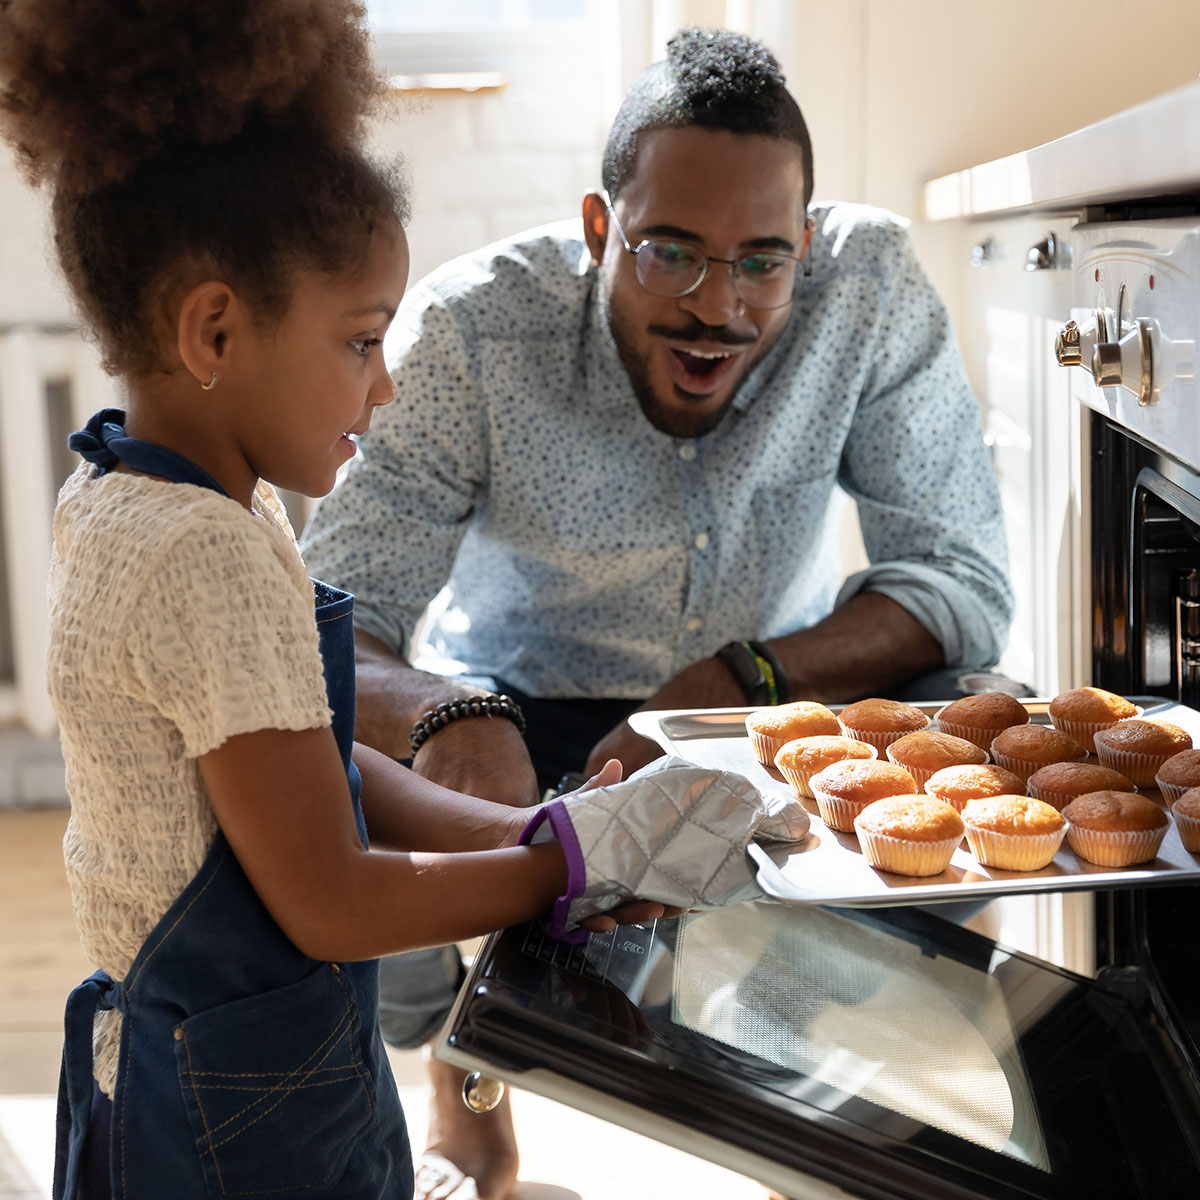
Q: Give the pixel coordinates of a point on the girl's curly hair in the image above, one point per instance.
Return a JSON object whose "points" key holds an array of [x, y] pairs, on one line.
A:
{"points": [[183, 136]]}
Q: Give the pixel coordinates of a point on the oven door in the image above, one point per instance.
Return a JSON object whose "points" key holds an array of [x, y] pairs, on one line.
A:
{"points": [[827, 1052]]}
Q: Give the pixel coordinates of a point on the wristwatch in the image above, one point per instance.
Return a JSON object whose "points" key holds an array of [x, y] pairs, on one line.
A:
{"points": [[744, 665]]}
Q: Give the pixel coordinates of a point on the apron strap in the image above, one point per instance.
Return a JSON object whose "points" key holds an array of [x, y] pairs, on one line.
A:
{"points": [[98, 991], [104, 443]]}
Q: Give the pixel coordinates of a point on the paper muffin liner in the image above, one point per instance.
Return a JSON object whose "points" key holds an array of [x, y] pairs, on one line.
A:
{"points": [[922, 775], [1115, 848], [1172, 791], [972, 733], [1014, 851], [903, 856], [881, 739], [765, 748], [1139, 769], [837, 812], [1084, 732], [1189, 832], [1024, 767]]}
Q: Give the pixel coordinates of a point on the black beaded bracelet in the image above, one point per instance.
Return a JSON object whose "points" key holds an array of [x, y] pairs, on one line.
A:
{"points": [[491, 705]]}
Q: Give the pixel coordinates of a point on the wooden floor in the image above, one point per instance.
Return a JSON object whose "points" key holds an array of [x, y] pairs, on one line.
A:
{"points": [[41, 960]]}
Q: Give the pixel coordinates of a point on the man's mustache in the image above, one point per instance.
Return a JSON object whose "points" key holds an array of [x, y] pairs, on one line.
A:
{"points": [[697, 331]]}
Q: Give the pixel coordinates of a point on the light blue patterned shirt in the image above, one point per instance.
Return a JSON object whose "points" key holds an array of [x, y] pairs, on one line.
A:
{"points": [[586, 554]]}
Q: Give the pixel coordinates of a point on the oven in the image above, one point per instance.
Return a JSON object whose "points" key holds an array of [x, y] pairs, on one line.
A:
{"points": [[892, 1052]]}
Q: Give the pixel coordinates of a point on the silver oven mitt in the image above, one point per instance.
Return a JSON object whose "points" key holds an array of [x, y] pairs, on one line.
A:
{"points": [[672, 832]]}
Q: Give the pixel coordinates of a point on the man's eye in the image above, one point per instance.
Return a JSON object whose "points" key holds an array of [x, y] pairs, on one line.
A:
{"points": [[362, 346], [672, 255], [762, 266]]}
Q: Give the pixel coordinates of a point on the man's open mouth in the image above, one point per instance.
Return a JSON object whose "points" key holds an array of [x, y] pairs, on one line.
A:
{"points": [[700, 371]]}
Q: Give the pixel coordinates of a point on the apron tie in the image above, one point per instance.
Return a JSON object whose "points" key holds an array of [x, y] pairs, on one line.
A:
{"points": [[104, 443], [98, 991]]}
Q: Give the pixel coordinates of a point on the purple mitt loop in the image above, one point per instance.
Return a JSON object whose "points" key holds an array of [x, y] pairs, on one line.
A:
{"points": [[554, 815]]}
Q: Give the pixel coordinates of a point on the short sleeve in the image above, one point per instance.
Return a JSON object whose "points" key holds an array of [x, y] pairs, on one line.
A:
{"points": [[223, 638]]}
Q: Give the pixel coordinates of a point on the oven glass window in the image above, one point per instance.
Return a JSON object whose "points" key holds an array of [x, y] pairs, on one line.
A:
{"points": [[879, 1049]]}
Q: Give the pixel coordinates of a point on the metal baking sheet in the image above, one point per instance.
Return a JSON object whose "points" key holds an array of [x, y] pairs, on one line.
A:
{"points": [[829, 868]]}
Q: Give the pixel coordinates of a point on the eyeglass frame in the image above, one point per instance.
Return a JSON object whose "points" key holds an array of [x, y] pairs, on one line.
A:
{"points": [[732, 263]]}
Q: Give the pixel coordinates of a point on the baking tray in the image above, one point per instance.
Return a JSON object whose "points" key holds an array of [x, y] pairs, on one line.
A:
{"points": [[829, 868]]}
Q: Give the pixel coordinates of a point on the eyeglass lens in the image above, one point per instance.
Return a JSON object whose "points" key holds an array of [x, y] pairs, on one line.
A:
{"points": [[669, 268]]}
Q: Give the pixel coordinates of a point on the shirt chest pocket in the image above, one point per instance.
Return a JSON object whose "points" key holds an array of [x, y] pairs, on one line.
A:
{"points": [[275, 1088]]}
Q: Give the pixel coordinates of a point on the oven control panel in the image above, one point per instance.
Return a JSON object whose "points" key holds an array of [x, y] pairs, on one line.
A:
{"points": [[1135, 322]]}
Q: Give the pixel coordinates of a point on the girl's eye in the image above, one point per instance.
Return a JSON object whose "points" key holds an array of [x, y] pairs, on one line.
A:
{"points": [[362, 346]]}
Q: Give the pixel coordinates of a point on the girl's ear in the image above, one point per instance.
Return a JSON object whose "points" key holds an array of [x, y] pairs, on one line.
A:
{"points": [[595, 225], [206, 319]]}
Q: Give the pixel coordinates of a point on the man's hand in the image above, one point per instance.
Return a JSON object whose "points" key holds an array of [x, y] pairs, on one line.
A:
{"points": [[705, 684], [481, 756]]}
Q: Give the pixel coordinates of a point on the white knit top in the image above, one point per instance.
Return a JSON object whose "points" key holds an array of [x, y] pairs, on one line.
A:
{"points": [[178, 619]]}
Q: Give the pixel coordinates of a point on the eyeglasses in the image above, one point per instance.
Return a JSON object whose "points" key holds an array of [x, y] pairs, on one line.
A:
{"points": [[666, 267]]}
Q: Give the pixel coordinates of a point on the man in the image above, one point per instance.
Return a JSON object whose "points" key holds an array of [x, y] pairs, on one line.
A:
{"points": [[620, 450]]}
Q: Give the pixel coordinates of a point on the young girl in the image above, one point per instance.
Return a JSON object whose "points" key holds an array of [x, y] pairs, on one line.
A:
{"points": [[239, 259]]}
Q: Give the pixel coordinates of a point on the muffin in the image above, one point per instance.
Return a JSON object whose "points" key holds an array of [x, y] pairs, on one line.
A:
{"points": [[1082, 711], [1013, 833], [1187, 819], [1024, 749], [909, 835], [1178, 774], [771, 728], [958, 785], [880, 722], [844, 789], [928, 750], [1060, 783], [1138, 748], [1115, 829], [802, 758], [980, 718]]}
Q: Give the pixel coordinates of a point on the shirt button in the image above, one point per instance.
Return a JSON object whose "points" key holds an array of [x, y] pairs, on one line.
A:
{"points": [[694, 624], [701, 542], [687, 452]]}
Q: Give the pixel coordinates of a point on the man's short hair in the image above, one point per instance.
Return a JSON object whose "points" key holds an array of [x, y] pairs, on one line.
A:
{"points": [[716, 79]]}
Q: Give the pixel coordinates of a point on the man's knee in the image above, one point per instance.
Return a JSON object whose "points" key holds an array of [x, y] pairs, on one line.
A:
{"points": [[416, 992]]}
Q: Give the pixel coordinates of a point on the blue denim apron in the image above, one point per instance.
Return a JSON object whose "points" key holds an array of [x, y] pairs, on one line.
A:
{"points": [[246, 1068]]}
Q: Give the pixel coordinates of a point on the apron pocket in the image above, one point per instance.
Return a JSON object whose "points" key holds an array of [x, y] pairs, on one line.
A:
{"points": [[275, 1089]]}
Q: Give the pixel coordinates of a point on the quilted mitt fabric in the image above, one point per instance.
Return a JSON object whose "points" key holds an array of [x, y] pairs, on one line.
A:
{"points": [[673, 832]]}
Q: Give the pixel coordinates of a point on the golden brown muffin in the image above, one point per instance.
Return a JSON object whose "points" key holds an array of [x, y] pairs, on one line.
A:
{"points": [[1137, 748], [979, 718], [1187, 819], [770, 728], [880, 722], [1082, 711], [1013, 833], [1178, 774], [929, 750], [957, 785], [909, 835], [1023, 749], [844, 789], [802, 758], [1115, 829], [1060, 783]]}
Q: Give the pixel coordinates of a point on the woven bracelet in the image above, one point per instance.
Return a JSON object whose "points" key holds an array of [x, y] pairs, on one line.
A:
{"points": [[491, 705], [772, 670]]}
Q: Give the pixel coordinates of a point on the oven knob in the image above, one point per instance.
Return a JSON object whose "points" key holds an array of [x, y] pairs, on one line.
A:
{"points": [[1128, 363], [1073, 346]]}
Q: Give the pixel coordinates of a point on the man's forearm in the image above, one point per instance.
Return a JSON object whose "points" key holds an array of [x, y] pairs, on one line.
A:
{"points": [[864, 647], [392, 695]]}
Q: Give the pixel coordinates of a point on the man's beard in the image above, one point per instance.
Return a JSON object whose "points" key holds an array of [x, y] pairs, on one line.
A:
{"points": [[675, 420]]}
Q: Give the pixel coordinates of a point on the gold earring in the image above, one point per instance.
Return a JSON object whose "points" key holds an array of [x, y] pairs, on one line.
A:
{"points": [[212, 383]]}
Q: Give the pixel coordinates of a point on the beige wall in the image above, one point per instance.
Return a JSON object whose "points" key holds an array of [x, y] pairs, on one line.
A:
{"points": [[900, 91]]}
